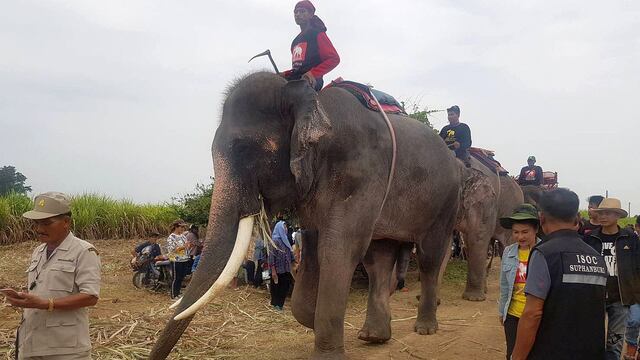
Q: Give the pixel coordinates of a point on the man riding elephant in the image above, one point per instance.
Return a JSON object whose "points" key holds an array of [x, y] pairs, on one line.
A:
{"points": [[531, 174], [457, 135], [312, 53]]}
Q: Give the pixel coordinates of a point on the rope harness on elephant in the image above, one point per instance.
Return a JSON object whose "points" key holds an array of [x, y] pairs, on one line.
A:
{"points": [[394, 146]]}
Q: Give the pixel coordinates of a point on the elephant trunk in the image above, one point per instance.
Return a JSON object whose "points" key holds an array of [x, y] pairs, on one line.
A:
{"points": [[221, 257]]}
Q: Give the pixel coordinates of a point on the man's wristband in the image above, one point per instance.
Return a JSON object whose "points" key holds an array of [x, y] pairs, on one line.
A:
{"points": [[50, 305]]}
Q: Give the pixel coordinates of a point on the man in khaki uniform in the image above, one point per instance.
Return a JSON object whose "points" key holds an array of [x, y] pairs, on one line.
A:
{"points": [[64, 279]]}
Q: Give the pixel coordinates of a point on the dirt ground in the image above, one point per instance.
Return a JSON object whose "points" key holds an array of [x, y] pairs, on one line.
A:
{"points": [[241, 325]]}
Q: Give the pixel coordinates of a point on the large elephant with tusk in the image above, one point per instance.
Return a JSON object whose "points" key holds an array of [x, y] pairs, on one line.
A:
{"points": [[285, 146]]}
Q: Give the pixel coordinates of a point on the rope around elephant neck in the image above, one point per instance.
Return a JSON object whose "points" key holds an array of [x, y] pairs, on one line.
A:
{"points": [[394, 146]]}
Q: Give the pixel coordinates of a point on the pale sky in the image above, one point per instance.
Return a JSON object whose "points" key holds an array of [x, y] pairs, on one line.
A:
{"points": [[123, 97]]}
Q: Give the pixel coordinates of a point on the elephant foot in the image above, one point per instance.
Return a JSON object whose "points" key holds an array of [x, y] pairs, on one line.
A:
{"points": [[426, 327], [477, 295], [338, 355], [377, 335]]}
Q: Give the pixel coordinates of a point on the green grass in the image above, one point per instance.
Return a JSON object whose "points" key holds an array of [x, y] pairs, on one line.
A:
{"points": [[94, 217], [456, 272]]}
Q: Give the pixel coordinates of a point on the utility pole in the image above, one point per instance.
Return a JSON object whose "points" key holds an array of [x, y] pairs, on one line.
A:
{"points": [[629, 208]]}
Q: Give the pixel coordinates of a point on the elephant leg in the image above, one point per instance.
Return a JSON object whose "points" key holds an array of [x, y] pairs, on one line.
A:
{"points": [[431, 252], [379, 262], [481, 225], [341, 246], [305, 291]]}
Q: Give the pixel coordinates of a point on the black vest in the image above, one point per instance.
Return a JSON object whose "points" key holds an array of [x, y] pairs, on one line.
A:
{"points": [[305, 54], [572, 325]]}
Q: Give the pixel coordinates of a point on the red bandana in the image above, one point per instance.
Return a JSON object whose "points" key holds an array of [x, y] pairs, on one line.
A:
{"points": [[306, 4]]}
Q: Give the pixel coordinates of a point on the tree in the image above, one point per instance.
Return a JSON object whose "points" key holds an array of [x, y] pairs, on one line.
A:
{"points": [[12, 181], [421, 115], [194, 207]]}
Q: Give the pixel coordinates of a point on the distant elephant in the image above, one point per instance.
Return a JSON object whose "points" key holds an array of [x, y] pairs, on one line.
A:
{"points": [[532, 194], [486, 198], [328, 157]]}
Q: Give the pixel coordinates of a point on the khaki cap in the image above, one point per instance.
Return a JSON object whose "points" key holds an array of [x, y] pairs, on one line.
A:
{"points": [[48, 205], [614, 205]]}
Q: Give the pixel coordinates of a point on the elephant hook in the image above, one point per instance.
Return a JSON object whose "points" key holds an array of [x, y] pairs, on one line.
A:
{"points": [[267, 53]]}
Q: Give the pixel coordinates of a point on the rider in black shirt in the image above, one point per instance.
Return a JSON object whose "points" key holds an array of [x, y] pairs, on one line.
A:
{"points": [[457, 135], [531, 174]]}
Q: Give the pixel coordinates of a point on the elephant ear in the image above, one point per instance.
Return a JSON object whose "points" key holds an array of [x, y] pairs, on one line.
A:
{"points": [[310, 125]]}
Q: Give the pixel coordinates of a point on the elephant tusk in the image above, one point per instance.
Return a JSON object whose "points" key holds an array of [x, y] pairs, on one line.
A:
{"points": [[175, 304], [243, 238]]}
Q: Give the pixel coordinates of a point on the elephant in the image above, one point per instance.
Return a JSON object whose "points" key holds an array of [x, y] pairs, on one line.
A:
{"points": [[532, 194], [283, 146], [486, 198]]}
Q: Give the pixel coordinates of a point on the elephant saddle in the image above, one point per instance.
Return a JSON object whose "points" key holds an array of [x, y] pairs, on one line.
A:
{"points": [[363, 93], [486, 158]]}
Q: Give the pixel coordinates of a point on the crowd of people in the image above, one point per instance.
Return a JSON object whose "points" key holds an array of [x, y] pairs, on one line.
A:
{"points": [[576, 294]]}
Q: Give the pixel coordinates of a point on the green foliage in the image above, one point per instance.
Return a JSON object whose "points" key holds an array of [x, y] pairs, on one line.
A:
{"points": [[12, 181], [456, 272], [12, 224], [420, 114], [94, 217], [194, 207]]}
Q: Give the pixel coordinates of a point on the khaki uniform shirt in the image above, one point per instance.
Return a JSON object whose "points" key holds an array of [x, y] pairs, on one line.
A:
{"points": [[73, 268]]}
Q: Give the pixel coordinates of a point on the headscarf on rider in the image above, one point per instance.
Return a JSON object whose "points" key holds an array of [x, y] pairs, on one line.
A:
{"points": [[316, 23]]}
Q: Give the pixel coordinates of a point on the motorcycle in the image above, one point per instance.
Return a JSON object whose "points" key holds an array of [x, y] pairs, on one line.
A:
{"points": [[151, 274]]}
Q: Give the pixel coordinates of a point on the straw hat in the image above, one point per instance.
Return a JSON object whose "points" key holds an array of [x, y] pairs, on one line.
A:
{"points": [[613, 205]]}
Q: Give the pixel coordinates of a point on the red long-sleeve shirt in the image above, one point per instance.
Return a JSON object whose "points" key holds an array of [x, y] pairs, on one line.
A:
{"points": [[328, 56]]}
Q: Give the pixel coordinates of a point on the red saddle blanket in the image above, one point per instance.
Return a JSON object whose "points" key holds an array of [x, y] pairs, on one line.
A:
{"points": [[486, 158], [361, 92]]}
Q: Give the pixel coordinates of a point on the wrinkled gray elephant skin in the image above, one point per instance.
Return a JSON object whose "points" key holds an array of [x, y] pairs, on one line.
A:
{"points": [[329, 158], [486, 198]]}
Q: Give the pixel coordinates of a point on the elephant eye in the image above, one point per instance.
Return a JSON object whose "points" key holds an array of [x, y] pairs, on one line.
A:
{"points": [[243, 149]]}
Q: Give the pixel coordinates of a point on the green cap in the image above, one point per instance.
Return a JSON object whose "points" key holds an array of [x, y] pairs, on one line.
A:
{"points": [[531, 158], [521, 213], [48, 205]]}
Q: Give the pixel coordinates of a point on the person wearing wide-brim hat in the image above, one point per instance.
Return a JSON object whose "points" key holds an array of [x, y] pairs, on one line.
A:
{"points": [[621, 250], [63, 279], [524, 224]]}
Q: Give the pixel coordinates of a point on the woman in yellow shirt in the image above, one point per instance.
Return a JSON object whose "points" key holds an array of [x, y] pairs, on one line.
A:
{"points": [[524, 226]]}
